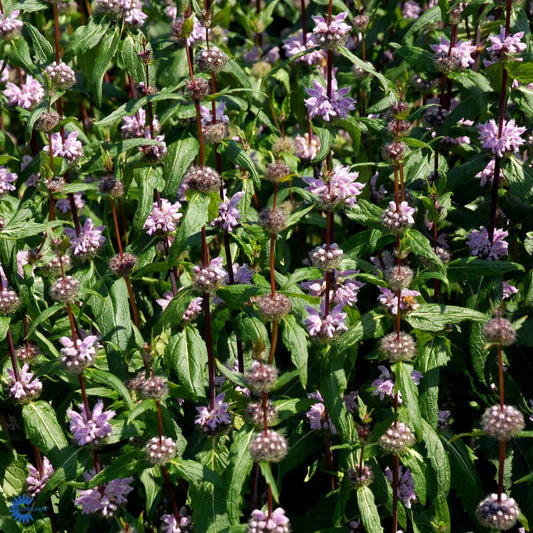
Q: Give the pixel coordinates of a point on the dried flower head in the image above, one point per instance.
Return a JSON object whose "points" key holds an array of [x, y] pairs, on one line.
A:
{"points": [[155, 387], [110, 185], [160, 450], [9, 302], [211, 60], [273, 221], [394, 152], [397, 439], [272, 308], [396, 347], [398, 277], [284, 145], [123, 264], [499, 330], [197, 88], [65, 289], [202, 179], [255, 413], [27, 353], [326, 257], [215, 132], [268, 446], [261, 377], [47, 122], [276, 171], [502, 423], [498, 513]]}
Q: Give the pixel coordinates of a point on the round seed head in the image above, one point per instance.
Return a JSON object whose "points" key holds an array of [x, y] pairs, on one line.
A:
{"points": [[160, 450], [47, 122], [28, 353], [260, 69], [123, 266], [398, 277], [206, 179], [276, 171], [273, 308], [53, 267], [110, 185], [394, 151], [214, 132], [399, 127], [273, 220], [269, 446], [284, 145], [65, 289], [326, 258], [398, 348], [502, 423], [330, 40], [495, 514], [261, 378], [500, 330], [155, 387], [397, 439], [211, 60], [61, 75], [198, 88], [254, 413], [9, 302], [55, 185], [361, 477], [361, 22]]}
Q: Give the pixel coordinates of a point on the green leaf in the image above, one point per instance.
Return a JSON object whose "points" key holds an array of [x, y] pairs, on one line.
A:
{"points": [[434, 317], [407, 387], [173, 313], [126, 465], [369, 511], [195, 472], [367, 67], [521, 71], [146, 179], [106, 378], [417, 57], [235, 296], [18, 53], [30, 6], [190, 226], [86, 37], [470, 268], [326, 140], [232, 375], [181, 155], [420, 245], [236, 475], [266, 470], [41, 47], [150, 479], [12, 475], [234, 153], [104, 55], [295, 339], [127, 58], [186, 355], [4, 327], [43, 429], [232, 67]]}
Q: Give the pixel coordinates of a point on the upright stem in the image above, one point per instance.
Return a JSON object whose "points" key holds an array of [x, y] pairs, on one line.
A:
{"points": [[208, 334], [501, 463], [395, 475]]}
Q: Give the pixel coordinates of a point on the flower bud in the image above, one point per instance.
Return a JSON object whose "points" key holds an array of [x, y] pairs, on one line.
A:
{"points": [[398, 347], [499, 330], [268, 446], [502, 423], [397, 439], [273, 308], [498, 513]]}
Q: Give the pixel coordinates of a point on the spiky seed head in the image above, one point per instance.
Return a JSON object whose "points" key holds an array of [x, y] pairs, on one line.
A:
{"points": [[500, 330], [498, 513], [397, 439], [398, 277], [284, 145], [215, 132], [326, 257], [273, 308], [47, 122], [206, 179], [269, 446], [398, 348], [261, 377], [123, 265], [27, 353], [211, 60], [197, 89], [273, 221], [254, 413], [276, 171], [502, 423], [65, 290], [9, 302]]}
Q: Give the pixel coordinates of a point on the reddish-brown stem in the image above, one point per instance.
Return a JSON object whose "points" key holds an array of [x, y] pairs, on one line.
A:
{"points": [[272, 265], [200, 134], [168, 484], [402, 184], [329, 461], [255, 485], [72, 322], [273, 342], [14, 363], [134, 307], [117, 229], [501, 469], [159, 420], [500, 376], [395, 470], [304, 22], [396, 187], [269, 501], [56, 33], [123, 221]]}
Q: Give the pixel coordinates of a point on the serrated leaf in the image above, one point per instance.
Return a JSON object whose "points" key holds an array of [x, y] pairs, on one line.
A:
{"points": [[326, 140], [105, 54], [86, 37], [186, 356], [43, 429], [181, 155], [407, 387], [369, 512], [434, 317], [106, 378], [41, 47], [295, 339], [234, 153], [420, 245]]}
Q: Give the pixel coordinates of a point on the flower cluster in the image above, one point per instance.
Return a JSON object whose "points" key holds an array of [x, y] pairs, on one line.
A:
{"points": [[90, 427]]}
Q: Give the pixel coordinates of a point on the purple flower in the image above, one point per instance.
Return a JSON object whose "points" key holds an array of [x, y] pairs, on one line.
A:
{"points": [[76, 357], [209, 278], [319, 105], [318, 416], [104, 499], [384, 385], [26, 388], [71, 150], [6, 180], [63, 204], [294, 45], [502, 45], [398, 218], [89, 428], [411, 10], [487, 174], [88, 242], [207, 115], [344, 291], [332, 35], [341, 186], [164, 218], [36, 480], [171, 525], [135, 126], [480, 244], [325, 327], [389, 300], [10, 26], [167, 298], [193, 310], [416, 376], [460, 56], [242, 274], [28, 95], [254, 55], [261, 523], [33, 179], [508, 141], [228, 212], [213, 421], [406, 485], [443, 420], [305, 149], [350, 401], [508, 290]]}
